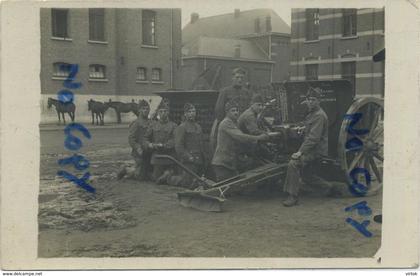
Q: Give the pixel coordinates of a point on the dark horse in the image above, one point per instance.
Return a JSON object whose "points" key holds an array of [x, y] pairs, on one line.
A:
{"points": [[98, 109], [62, 108], [123, 108]]}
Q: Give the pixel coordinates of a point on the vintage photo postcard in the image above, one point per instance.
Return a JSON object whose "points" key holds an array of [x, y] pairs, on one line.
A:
{"points": [[202, 135]]}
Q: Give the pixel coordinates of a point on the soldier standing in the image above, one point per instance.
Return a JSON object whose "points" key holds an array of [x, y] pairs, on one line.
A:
{"points": [[141, 155], [160, 140], [237, 92], [313, 148], [229, 135], [189, 149]]}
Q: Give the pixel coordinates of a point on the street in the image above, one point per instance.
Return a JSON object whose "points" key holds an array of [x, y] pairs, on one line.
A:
{"points": [[128, 218]]}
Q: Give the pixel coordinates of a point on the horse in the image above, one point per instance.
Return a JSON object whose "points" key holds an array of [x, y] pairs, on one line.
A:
{"points": [[123, 108], [98, 109], [62, 108]]}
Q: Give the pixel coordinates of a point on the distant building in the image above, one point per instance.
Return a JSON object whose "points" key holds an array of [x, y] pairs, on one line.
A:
{"points": [[256, 40], [331, 44], [122, 54]]}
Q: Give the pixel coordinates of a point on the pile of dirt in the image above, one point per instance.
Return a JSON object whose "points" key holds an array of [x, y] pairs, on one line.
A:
{"points": [[63, 205]]}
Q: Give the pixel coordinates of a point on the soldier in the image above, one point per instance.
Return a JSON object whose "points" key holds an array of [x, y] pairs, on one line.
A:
{"points": [[160, 140], [229, 135], [141, 155], [247, 121], [313, 148], [189, 149], [237, 92]]}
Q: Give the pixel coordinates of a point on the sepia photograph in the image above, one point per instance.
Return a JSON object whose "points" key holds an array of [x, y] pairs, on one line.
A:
{"points": [[243, 133], [191, 135]]}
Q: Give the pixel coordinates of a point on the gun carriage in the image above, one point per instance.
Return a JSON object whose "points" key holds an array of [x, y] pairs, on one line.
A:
{"points": [[349, 146]]}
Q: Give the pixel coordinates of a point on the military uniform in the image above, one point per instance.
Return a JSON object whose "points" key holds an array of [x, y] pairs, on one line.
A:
{"points": [[238, 94], [314, 147], [247, 123], [141, 155], [160, 133], [225, 160], [190, 151]]}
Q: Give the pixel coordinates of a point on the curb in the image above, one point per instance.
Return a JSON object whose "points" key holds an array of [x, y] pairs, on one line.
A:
{"points": [[89, 126]]}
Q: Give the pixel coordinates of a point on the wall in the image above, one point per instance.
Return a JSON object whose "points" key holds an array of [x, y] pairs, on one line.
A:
{"points": [[332, 49]]}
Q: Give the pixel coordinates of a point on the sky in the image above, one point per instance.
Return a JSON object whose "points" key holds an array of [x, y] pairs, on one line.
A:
{"points": [[217, 7]]}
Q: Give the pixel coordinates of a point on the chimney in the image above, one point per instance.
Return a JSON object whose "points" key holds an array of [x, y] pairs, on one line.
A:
{"points": [[237, 51], [237, 12], [194, 17]]}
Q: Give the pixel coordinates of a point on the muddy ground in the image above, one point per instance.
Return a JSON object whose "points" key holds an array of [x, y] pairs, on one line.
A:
{"points": [[129, 218]]}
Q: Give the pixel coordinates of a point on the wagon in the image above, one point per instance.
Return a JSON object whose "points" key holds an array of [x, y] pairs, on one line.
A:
{"points": [[355, 139]]}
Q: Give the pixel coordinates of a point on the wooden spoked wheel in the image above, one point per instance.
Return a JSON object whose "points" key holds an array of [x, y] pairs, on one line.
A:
{"points": [[361, 152]]}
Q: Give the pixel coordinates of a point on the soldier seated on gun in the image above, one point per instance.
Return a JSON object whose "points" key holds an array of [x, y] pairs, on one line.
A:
{"points": [[229, 137], [313, 148], [141, 155], [189, 149], [159, 138]]}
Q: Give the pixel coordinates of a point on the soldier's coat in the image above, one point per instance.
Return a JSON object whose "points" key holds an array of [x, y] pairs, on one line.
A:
{"points": [[237, 93], [229, 139]]}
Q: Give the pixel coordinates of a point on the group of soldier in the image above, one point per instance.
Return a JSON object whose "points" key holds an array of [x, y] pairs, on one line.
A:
{"points": [[237, 110]]}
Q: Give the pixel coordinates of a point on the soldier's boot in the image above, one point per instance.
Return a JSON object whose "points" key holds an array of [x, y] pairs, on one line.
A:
{"points": [[291, 201]]}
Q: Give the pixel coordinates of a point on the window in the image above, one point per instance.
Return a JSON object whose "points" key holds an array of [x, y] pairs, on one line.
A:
{"points": [[141, 74], [312, 24], [61, 70], [156, 74], [97, 71], [59, 22], [348, 72], [97, 24], [257, 28], [311, 71], [268, 23], [149, 27], [349, 22]]}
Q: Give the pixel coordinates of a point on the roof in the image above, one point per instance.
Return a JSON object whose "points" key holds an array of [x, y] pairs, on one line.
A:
{"points": [[229, 26], [223, 47]]}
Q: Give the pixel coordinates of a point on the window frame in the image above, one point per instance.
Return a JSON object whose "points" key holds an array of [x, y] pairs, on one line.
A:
{"points": [[311, 76], [146, 15], [104, 77], [312, 24], [159, 70], [57, 73], [349, 77], [137, 73], [93, 15], [54, 24], [349, 22]]}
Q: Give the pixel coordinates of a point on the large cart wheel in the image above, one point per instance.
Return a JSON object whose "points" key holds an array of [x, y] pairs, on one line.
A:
{"points": [[367, 155]]}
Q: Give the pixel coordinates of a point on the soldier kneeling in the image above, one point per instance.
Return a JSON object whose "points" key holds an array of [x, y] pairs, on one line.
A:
{"points": [[189, 149]]}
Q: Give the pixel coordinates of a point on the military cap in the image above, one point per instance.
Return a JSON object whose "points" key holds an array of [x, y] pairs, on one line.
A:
{"points": [[188, 107], [314, 92], [231, 104], [238, 70], [257, 98], [164, 104], [143, 103]]}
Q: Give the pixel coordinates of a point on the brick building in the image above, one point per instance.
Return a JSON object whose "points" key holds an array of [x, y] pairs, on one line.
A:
{"points": [[256, 40], [123, 54], [331, 44]]}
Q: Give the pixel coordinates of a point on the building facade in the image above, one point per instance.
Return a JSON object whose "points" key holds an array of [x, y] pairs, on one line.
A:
{"points": [[329, 44], [122, 54], [256, 40]]}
